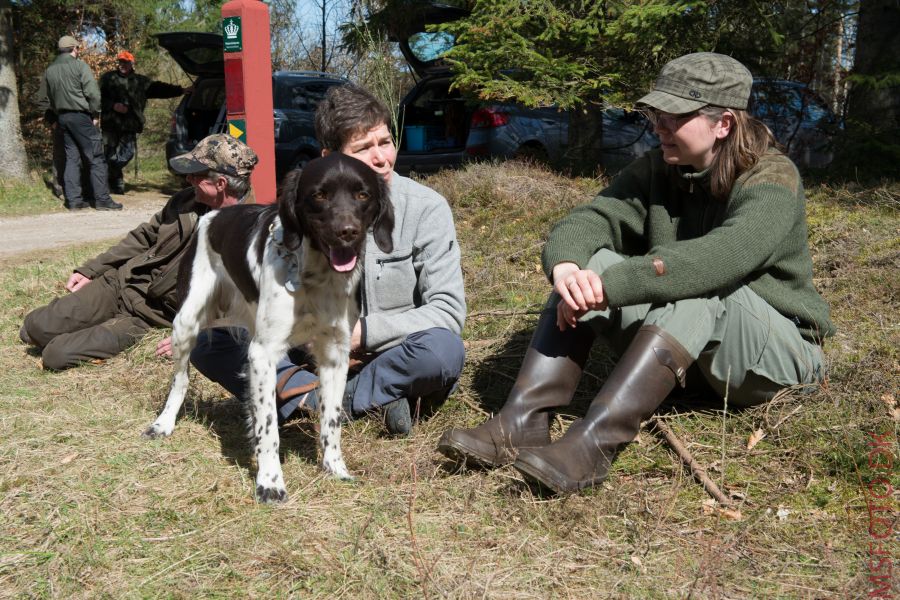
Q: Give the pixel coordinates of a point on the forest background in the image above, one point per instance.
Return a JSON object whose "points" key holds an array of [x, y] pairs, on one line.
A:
{"points": [[568, 53]]}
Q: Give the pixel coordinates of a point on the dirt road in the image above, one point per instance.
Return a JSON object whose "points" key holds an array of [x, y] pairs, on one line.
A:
{"points": [[21, 235]]}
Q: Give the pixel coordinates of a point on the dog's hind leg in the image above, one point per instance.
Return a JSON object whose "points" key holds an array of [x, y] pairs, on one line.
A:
{"points": [[263, 420], [185, 328]]}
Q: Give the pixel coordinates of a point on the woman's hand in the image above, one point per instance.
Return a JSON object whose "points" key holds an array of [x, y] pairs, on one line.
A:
{"points": [[581, 291]]}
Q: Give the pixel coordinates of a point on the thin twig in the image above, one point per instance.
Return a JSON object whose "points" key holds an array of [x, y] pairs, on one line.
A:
{"points": [[724, 415], [696, 470]]}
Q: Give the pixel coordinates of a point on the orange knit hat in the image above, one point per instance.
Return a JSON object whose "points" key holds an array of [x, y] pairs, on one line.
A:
{"points": [[125, 55]]}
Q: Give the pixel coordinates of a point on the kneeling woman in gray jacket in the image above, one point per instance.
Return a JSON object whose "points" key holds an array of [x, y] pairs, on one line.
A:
{"points": [[407, 346]]}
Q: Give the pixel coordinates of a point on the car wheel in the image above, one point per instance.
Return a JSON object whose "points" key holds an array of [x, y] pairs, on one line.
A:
{"points": [[533, 154]]}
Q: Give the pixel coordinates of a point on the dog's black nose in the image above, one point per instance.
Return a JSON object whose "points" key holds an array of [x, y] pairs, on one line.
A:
{"points": [[349, 232]]}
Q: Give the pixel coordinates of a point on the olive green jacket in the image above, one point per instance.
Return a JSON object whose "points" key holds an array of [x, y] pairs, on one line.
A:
{"points": [[682, 243], [69, 85], [147, 259]]}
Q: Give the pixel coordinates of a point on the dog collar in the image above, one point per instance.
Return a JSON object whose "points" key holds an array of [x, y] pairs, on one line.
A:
{"points": [[291, 258]]}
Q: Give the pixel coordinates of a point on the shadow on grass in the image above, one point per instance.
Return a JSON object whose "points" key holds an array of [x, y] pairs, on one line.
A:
{"points": [[227, 419]]}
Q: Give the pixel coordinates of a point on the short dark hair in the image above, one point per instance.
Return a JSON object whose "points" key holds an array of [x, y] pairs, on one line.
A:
{"points": [[346, 111]]}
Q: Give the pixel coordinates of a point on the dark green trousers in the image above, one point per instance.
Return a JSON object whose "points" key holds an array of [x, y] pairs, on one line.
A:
{"points": [[88, 324]]}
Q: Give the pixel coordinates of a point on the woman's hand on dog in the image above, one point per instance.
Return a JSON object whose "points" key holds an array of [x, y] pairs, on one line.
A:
{"points": [[580, 290]]}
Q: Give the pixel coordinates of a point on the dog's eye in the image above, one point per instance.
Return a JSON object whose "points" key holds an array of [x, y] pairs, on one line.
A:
{"points": [[362, 196], [320, 197]]}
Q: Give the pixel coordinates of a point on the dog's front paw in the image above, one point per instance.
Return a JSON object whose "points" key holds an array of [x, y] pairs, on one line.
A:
{"points": [[155, 431], [270, 495], [337, 469]]}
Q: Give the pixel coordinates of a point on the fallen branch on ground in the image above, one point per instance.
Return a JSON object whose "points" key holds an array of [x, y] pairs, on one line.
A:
{"points": [[697, 470]]}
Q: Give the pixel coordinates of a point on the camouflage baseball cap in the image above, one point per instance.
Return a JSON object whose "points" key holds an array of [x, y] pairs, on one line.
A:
{"points": [[696, 80], [219, 152]]}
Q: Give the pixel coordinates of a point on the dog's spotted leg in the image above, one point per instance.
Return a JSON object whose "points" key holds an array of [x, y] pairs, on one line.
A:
{"points": [[263, 422], [333, 378], [185, 329]]}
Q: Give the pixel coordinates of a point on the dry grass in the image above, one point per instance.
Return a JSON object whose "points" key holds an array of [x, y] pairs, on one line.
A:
{"points": [[89, 509]]}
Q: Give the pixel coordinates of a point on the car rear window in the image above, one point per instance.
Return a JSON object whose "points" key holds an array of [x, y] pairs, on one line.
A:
{"points": [[428, 47]]}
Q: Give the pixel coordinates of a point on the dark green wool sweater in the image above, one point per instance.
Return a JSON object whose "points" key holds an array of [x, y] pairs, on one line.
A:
{"points": [[682, 243]]}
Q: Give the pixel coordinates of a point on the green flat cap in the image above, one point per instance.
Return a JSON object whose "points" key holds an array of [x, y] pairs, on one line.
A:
{"points": [[66, 42], [693, 81], [218, 152]]}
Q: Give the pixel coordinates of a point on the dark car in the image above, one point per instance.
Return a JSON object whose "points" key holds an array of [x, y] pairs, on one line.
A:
{"points": [[295, 95], [443, 129], [799, 118]]}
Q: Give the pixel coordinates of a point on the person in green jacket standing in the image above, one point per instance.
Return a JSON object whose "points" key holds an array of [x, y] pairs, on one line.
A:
{"points": [[124, 96], [693, 263], [116, 297], [69, 95]]}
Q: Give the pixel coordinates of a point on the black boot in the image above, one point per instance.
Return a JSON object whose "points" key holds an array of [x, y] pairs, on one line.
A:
{"points": [[651, 366], [547, 379]]}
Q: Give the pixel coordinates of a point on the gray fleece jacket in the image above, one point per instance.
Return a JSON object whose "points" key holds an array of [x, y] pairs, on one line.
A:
{"points": [[420, 284]]}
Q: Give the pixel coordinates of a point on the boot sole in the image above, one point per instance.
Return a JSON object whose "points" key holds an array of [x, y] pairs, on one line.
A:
{"points": [[462, 453], [539, 471]]}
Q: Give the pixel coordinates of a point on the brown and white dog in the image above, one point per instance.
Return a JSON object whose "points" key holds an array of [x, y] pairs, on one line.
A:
{"points": [[289, 274]]}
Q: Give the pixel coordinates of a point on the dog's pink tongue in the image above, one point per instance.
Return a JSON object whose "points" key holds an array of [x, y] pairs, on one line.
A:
{"points": [[343, 259]]}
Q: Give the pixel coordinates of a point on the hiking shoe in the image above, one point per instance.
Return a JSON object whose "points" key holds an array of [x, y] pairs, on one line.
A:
{"points": [[78, 206], [111, 205], [397, 419]]}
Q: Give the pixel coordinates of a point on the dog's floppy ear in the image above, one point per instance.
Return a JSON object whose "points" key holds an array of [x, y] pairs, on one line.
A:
{"points": [[384, 222], [287, 209]]}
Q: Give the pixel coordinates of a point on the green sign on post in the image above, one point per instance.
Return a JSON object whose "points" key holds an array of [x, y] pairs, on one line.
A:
{"points": [[237, 128], [232, 34]]}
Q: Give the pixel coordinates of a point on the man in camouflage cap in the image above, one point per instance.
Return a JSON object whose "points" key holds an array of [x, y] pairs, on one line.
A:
{"points": [[119, 295]]}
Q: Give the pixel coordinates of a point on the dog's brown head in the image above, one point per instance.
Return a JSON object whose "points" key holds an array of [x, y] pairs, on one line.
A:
{"points": [[333, 201]]}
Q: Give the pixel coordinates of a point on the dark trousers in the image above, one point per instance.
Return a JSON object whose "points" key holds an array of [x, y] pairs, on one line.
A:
{"points": [[88, 324], [119, 148], [426, 364], [82, 141]]}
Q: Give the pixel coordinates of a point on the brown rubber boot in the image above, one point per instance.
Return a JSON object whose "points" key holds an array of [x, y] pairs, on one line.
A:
{"points": [[548, 378], [651, 366]]}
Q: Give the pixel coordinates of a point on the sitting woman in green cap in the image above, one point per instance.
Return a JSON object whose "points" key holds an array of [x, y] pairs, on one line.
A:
{"points": [[693, 263]]}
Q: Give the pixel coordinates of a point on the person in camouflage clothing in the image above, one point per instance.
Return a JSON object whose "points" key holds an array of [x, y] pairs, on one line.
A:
{"points": [[124, 96], [116, 297]]}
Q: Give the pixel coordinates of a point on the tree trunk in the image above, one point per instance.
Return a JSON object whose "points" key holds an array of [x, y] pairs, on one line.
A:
{"points": [[585, 153], [873, 103], [13, 160]]}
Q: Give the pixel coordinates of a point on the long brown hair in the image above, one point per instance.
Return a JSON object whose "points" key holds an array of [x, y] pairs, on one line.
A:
{"points": [[747, 141]]}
